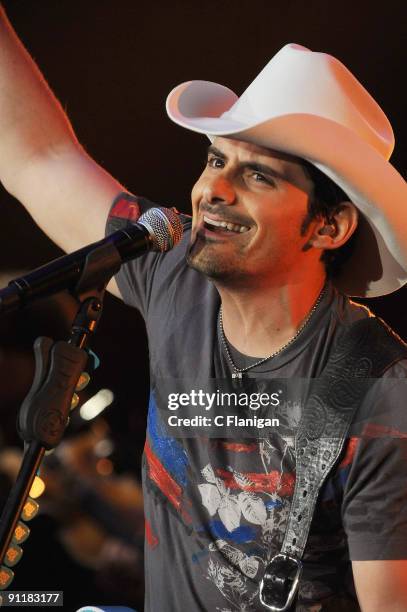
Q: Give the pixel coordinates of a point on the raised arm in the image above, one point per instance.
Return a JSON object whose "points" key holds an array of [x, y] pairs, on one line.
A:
{"points": [[41, 162]]}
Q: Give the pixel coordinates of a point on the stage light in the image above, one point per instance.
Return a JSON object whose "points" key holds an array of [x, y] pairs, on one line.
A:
{"points": [[96, 404], [37, 488], [104, 448], [104, 467]]}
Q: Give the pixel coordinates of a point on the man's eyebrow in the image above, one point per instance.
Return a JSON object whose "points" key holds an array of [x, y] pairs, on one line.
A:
{"points": [[256, 166], [264, 169], [212, 149]]}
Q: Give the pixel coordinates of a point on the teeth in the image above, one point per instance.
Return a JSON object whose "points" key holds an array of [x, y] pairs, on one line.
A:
{"points": [[229, 226]]}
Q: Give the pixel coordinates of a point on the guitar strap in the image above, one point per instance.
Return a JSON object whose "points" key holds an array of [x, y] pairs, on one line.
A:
{"points": [[364, 352]]}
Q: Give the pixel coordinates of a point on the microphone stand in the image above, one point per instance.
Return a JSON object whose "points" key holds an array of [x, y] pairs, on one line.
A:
{"points": [[44, 413]]}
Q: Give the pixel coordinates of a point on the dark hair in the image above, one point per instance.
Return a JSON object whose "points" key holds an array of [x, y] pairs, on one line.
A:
{"points": [[324, 203]]}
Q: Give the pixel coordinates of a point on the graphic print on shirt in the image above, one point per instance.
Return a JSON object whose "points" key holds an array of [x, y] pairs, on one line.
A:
{"points": [[235, 496], [250, 510]]}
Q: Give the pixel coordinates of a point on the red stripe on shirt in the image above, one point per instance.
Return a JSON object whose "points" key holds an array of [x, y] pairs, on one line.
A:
{"points": [[236, 447], [165, 482], [151, 538], [270, 483], [371, 430], [350, 452]]}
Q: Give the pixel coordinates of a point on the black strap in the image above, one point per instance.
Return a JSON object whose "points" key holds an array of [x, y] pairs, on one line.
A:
{"points": [[364, 352]]}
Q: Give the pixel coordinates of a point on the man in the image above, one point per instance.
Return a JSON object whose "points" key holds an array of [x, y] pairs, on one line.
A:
{"points": [[216, 509]]}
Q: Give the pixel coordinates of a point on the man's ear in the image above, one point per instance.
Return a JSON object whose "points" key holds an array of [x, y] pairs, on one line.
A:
{"points": [[333, 232]]}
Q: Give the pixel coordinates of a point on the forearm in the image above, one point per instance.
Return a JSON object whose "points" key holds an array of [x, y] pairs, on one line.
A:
{"points": [[32, 122], [381, 585], [41, 162]]}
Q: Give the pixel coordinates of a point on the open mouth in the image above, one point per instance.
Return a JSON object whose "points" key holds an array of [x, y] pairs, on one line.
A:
{"points": [[223, 226]]}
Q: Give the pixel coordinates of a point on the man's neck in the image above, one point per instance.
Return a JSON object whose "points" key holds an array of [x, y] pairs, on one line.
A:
{"points": [[259, 323]]}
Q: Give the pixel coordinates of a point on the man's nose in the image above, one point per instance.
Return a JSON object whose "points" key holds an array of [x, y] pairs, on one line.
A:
{"points": [[219, 190]]}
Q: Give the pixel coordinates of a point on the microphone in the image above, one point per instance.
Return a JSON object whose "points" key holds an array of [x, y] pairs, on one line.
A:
{"points": [[158, 229]]}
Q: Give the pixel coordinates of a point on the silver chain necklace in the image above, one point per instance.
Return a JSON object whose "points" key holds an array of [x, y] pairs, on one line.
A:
{"points": [[238, 372]]}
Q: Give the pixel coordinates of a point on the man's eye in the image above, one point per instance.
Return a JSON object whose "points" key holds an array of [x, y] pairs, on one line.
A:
{"points": [[260, 178], [215, 162]]}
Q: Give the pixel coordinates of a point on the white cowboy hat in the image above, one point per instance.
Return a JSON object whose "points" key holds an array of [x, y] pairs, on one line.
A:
{"points": [[309, 105]]}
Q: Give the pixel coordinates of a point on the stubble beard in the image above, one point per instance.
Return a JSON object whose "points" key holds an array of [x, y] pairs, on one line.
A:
{"points": [[203, 258]]}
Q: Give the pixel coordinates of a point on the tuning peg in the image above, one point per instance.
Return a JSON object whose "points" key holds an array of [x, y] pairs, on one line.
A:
{"points": [[37, 488], [74, 401], [6, 576], [13, 555], [83, 381], [21, 533], [93, 360], [30, 509]]}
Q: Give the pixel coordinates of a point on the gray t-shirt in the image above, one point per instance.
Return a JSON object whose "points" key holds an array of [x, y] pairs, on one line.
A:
{"points": [[216, 508]]}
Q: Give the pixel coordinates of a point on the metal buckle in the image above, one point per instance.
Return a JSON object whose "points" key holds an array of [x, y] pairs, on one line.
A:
{"points": [[280, 583]]}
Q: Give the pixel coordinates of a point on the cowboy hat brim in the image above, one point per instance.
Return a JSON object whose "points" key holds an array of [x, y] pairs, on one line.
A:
{"points": [[378, 264]]}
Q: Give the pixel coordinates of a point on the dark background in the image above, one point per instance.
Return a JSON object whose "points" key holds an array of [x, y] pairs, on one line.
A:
{"points": [[112, 63]]}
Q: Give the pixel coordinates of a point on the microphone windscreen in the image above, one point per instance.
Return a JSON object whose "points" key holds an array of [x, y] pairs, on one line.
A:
{"points": [[164, 226]]}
